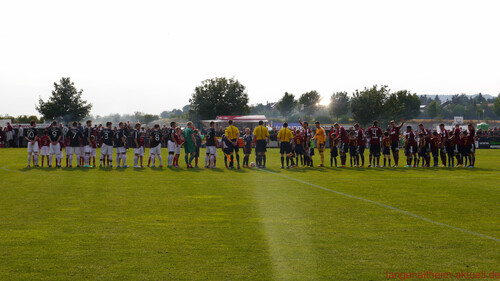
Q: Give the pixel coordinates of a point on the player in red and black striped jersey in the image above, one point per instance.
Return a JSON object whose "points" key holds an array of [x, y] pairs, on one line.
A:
{"points": [[394, 135], [410, 147], [375, 136], [343, 138], [455, 137], [361, 142], [426, 135], [443, 143], [307, 135], [435, 148]]}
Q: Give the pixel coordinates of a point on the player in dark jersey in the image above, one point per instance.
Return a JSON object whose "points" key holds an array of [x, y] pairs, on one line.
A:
{"points": [[211, 144], [55, 135], [455, 137], [426, 135], [450, 150], [394, 135], [334, 152], [171, 143], [435, 148], [106, 137], [343, 138], [443, 143], [120, 139], [375, 135], [361, 142], [155, 139], [73, 136], [307, 134], [137, 144], [353, 149], [247, 147], [33, 147], [298, 140], [472, 145], [410, 147]]}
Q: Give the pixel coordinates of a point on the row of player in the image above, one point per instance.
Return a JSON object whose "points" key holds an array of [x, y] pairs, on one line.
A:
{"points": [[295, 145]]}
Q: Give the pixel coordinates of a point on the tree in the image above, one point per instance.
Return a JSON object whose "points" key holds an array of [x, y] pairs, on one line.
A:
{"points": [[164, 114], [339, 104], [432, 109], [286, 104], [65, 104], [219, 96], [310, 101], [401, 104], [437, 99], [496, 106], [367, 105]]}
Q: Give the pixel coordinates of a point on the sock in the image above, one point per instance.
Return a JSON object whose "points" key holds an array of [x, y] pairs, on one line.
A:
{"points": [[100, 159], [291, 160], [149, 161], [191, 157], [335, 159], [322, 157], [124, 159], [206, 159], [473, 159], [259, 160], [264, 160], [87, 159], [160, 160], [282, 161], [396, 160], [153, 160], [36, 159], [385, 159], [170, 159], [287, 161], [29, 159], [389, 162], [186, 158], [117, 160], [238, 159], [331, 161], [351, 160], [232, 161], [362, 160], [196, 161], [470, 160], [212, 159], [136, 159], [370, 159], [69, 160], [225, 161]]}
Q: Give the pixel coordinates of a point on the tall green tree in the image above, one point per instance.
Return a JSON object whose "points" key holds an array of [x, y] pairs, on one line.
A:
{"points": [[367, 105], [496, 106], [310, 101], [339, 104], [218, 96], [65, 103], [287, 104], [401, 104], [432, 109]]}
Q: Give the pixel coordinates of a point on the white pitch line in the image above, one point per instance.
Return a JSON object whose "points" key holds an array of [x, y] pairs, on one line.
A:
{"points": [[390, 208]]}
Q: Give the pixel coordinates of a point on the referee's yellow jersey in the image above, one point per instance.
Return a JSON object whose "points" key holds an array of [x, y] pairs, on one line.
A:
{"points": [[285, 135], [320, 135], [232, 132], [260, 132]]}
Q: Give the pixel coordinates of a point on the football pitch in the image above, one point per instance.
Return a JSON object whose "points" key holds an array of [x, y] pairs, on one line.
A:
{"points": [[248, 224]]}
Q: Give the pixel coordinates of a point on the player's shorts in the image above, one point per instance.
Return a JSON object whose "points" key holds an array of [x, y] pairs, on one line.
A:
{"points": [[344, 147], [227, 150], [334, 152], [285, 147], [435, 152], [87, 149], [450, 150], [472, 148], [261, 146], [386, 151], [361, 149], [299, 149], [212, 150], [375, 150], [138, 151], [92, 152], [394, 146], [248, 149], [464, 149], [106, 149], [121, 149], [70, 150], [55, 149], [189, 148], [353, 151], [311, 151], [197, 151], [410, 149], [44, 150], [321, 147], [235, 148], [422, 151], [155, 150], [171, 147], [177, 149], [457, 149], [33, 148], [442, 150]]}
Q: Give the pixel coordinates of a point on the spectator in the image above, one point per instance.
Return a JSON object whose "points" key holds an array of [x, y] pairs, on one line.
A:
{"points": [[20, 135], [9, 138]]}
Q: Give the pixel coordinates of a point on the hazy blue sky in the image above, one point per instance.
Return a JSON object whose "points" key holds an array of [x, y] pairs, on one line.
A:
{"points": [[149, 55]]}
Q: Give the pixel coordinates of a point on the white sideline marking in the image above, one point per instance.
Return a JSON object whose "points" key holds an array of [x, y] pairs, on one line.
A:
{"points": [[389, 207]]}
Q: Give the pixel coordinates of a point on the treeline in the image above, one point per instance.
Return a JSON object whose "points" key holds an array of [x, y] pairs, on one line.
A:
{"points": [[470, 107]]}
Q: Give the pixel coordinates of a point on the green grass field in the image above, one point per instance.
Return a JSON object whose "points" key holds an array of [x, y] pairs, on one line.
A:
{"points": [[249, 224]]}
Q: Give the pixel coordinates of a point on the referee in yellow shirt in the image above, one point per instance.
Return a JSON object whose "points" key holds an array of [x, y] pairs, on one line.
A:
{"points": [[320, 137], [233, 134], [285, 136], [261, 138]]}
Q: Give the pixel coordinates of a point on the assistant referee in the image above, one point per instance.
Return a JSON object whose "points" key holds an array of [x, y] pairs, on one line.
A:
{"points": [[261, 138]]}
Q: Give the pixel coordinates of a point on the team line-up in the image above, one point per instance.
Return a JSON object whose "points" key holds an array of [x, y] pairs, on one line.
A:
{"points": [[295, 145]]}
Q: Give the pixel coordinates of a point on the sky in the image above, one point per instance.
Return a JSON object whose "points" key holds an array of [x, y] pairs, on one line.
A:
{"points": [[149, 56]]}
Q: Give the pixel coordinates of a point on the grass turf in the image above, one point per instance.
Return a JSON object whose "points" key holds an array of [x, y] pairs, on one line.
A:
{"points": [[158, 224]]}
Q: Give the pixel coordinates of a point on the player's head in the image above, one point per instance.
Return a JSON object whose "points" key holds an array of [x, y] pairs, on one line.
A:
{"points": [[441, 126], [247, 131], [109, 124], [137, 126], [54, 123], [157, 126], [470, 126], [393, 123], [351, 133], [386, 133], [196, 132], [212, 124], [261, 123], [285, 125], [457, 126], [190, 124], [33, 123], [336, 125], [172, 124], [230, 122], [75, 124], [408, 128], [434, 133], [121, 125], [317, 124], [356, 126], [375, 123], [89, 123]]}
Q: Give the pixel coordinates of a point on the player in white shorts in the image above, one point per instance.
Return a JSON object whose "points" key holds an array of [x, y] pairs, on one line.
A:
{"points": [[120, 141], [55, 135], [155, 140], [106, 136], [32, 138], [211, 144], [138, 152], [74, 137], [171, 143]]}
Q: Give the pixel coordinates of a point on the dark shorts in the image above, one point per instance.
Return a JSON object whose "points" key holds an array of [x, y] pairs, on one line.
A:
{"points": [[197, 152], [443, 151], [386, 151], [343, 148], [361, 150], [285, 147], [353, 150], [435, 152], [334, 152], [227, 150], [422, 151], [450, 150], [261, 146], [472, 148], [394, 146], [321, 147], [299, 149], [189, 148], [411, 149], [236, 147], [465, 150], [375, 149], [247, 149], [311, 151]]}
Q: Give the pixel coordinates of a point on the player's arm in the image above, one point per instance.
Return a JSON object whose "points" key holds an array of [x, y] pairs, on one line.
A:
{"points": [[402, 123], [300, 121], [194, 140]]}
